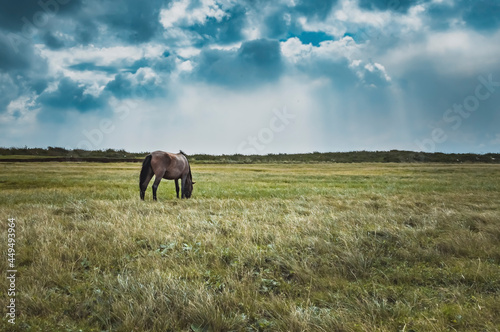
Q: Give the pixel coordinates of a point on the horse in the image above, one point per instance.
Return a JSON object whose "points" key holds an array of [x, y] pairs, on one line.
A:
{"points": [[165, 165]]}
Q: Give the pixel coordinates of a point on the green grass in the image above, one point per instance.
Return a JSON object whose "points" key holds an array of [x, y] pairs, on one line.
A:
{"points": [[269, 247]]}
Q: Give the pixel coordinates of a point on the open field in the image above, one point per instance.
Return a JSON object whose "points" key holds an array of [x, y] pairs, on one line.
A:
{"points": [[268, 247]]}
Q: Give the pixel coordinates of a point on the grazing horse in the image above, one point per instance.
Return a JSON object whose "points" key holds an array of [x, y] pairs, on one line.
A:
{"points": [[170, 166]]}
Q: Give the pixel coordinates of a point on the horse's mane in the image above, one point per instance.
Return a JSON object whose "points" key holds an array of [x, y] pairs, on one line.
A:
{"points": [[183, 153]]}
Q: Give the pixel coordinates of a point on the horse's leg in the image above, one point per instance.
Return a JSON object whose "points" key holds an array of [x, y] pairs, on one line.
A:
{"points": [[145, 175], [155, 185], [144, 184], [183, 184], [177, 187]]}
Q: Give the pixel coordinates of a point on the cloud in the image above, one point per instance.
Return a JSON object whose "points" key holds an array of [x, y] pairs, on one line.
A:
{"points": [[185, 13], [52, 41], [256, 61], [14, 55], [482, 15], [336, 60], [91, 66], [221, 31], [375, 75], [383, 5], [22, 71], [9, 89], [200, 23], [143, 83], [315, 8], [132, 21], [27, 15], [97, 65], [278, 24], [21, 111], [71, 95]]}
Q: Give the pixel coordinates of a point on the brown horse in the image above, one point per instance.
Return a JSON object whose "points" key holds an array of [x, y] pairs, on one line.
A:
{"points": [[170, 166]]}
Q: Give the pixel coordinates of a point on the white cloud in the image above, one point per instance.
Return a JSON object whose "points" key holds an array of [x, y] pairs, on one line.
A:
{"points": [[101, 56], [377, 67], [343, 48], [188, 52], [295, 51], [146, 75], [185, 66], [348, 17], [229, 47], [93, 89], [335, 51], [20, 112], [349, 11], [61, 60], [178, 13]]}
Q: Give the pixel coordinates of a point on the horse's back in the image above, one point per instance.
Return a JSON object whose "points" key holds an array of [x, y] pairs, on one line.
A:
{"points": [[173, 166]]}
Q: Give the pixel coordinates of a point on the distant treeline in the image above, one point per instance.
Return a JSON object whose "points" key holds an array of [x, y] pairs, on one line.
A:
{"points": [[110, 155], [64, 153]]}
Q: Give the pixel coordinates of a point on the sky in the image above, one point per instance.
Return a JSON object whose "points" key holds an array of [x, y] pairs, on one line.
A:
{"points": [[251, 76]]}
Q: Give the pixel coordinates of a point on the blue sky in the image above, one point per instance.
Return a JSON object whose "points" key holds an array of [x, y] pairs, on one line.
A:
{"points": [[253, 76]]}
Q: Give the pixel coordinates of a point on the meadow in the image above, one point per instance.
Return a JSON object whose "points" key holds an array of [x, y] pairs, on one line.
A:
{"points": [[267, 247]]}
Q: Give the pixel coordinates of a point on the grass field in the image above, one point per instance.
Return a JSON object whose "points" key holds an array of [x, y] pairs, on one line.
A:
{"points": [[326, 247]]}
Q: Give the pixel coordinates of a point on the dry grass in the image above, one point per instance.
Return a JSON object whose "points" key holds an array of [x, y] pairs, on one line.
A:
{"points": [[332, 247]]}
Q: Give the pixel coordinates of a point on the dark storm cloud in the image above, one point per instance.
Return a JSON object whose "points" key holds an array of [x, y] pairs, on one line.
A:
{"points": [[52, 41], [482, 14], [276, 25], [85, 31], [68, 95], [280, 24], [27, 14], [121, 86], [22, 70], [261, 53], [14, 56], [256, 61], [132, 21], [127, 85], [315, 8], [128, 20], [9, 89], [394, 5]]}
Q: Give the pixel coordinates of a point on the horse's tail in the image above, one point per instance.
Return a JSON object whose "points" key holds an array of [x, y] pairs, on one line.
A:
{"points": [[145, 171]]}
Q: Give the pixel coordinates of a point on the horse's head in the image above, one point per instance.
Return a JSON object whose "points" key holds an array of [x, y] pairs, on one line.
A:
{"points": [[189, 187]]}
